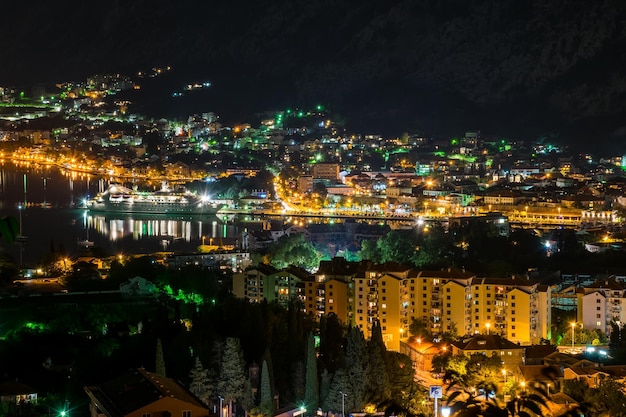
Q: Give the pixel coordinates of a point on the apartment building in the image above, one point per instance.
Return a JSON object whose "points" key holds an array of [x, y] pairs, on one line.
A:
{"points": [[266, 283], [601, 303], [515, 308], [326, 171], [437, 298], [330, 290], [447, 301]]}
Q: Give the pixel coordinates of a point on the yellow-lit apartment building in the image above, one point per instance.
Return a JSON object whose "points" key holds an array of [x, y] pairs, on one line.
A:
{"points": [[378, 296], [447, 301], [516, 308], [457, 301], [437, 298], [330, 290]]}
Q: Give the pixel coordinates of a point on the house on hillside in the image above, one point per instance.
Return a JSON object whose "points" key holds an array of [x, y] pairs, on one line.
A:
{"points": [[511, 354], [141, 393], [17, 393]]}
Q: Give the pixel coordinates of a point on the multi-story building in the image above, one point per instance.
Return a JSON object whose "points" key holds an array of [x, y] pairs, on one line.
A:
{"points": [[265, 283], [437, 298], [236, 260], [333, 289], [305, 183], [601, 303], [378, 296], [447, 301], [511, 307], [326, 171]]}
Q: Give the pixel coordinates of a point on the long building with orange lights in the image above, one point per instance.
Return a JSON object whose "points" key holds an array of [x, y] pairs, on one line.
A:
{"points": [[446, 301]]}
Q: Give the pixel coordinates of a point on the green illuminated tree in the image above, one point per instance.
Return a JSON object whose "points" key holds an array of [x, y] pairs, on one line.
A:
{"points": [[294, 250], [397, 246], [369, 251], [9, 229]]}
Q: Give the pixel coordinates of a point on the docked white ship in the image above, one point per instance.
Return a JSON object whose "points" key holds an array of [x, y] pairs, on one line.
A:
{"points": [[120, 199]]}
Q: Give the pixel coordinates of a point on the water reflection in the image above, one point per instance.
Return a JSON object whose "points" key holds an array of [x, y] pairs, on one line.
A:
{"points": [[188, 229], [52, 219]]}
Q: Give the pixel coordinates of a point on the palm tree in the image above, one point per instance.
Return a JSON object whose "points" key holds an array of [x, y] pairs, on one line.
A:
{"points": [[533, 401]]}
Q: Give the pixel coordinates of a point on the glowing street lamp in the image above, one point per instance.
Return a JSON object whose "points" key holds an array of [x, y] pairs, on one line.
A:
{"points": [[445, 411], [488, 326], [573, 324]]}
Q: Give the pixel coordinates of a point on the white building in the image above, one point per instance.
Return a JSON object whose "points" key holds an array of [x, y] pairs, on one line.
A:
{"points": [[601, 303]]}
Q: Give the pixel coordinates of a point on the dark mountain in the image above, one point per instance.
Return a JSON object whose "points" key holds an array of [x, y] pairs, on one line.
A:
{"points": [[511, 66]]}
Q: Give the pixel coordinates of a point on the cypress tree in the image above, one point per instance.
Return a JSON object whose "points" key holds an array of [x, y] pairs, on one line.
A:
{"points": [[377, 379], [311, 389], [266, 403], [159, 367], [356, 353]]}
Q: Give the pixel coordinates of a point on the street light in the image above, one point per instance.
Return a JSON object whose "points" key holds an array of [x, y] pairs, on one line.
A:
{"points": [[221, 409], [21, 236], [445, 411], [504, 375], [488, 325], [343, 403], [573, 324]]}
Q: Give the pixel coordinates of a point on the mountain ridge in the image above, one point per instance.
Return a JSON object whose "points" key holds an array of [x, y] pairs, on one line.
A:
{"points": [[552, 65]]}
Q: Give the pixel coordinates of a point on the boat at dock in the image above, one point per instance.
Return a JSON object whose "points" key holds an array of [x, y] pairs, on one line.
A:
{"points": [[120, 199]]}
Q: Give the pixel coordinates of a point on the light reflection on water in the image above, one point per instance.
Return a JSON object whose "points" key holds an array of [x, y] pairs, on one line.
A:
{"points": [[53, 220]]}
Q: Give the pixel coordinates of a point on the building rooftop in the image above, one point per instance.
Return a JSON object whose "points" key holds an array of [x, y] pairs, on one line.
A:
{"points": [[483, 342], [136, 389]]}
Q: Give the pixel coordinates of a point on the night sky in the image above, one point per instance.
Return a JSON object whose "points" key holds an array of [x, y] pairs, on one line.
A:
{"points": [[512, 67]]}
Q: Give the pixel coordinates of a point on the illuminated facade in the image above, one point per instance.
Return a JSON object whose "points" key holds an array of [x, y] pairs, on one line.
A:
{"points": [[601, 303], [265, 283], [490, 345], [446, 301], [437, 298], [326, 171]]}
